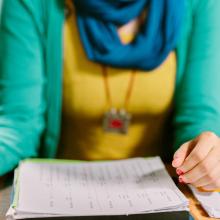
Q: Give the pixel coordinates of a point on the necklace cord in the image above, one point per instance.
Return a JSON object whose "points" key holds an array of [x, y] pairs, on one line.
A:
{"points": [[107, 87]]}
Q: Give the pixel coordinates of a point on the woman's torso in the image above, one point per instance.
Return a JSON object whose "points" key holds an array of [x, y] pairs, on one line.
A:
{"points": [[84, 103]]}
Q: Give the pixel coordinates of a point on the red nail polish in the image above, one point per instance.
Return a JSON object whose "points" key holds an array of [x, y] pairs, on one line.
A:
{"points": [[181, 180], [179, 172]]}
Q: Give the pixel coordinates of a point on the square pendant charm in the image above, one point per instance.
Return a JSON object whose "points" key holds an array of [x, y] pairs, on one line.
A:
{"points": [[116, 121]]}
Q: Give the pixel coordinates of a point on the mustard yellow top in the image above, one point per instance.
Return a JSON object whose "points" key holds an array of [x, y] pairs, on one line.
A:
{"points": [[84, 104]]}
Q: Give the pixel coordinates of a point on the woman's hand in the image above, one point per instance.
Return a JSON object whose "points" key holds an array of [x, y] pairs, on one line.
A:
{"points": [[198, 162]]}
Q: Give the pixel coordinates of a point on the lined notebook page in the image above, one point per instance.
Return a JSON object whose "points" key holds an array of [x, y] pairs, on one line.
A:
{"points": [[97, 188]]}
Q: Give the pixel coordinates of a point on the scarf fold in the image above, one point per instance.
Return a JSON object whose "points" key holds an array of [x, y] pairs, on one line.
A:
{"points": [[98, 22]]}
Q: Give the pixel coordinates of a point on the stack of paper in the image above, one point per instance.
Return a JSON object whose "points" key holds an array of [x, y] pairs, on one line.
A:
{"points": [[49, 188], [210, 201]]}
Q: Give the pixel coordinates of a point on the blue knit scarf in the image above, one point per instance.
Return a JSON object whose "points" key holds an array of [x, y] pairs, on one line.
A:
{"points": [[98, 21]]}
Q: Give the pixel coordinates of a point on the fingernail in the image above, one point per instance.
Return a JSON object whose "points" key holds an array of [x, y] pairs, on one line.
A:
{"points": [[179, 172], [181, 180]]}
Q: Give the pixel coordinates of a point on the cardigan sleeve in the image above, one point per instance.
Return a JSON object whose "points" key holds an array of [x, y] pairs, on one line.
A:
{"points": [[22, 104], [197, 101]]}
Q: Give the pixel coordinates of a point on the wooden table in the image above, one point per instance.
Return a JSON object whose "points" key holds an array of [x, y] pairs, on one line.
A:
{"points": [[5, 191], [196, 210]]}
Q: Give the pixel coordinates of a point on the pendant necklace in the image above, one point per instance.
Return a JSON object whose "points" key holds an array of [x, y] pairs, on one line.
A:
{"points": [[117, 120]]}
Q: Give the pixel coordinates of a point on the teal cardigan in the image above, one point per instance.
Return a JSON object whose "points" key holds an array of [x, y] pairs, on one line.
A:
{"points": [[31, 56]]}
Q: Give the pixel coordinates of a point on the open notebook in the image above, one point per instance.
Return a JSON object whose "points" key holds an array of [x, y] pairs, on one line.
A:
{"points": [[54, 188]]}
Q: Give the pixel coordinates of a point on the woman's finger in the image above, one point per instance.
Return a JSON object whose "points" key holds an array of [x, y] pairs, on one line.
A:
{"points": [[213, 186], [204, 169], [209, 178], [181, 154], [205, 143]]}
